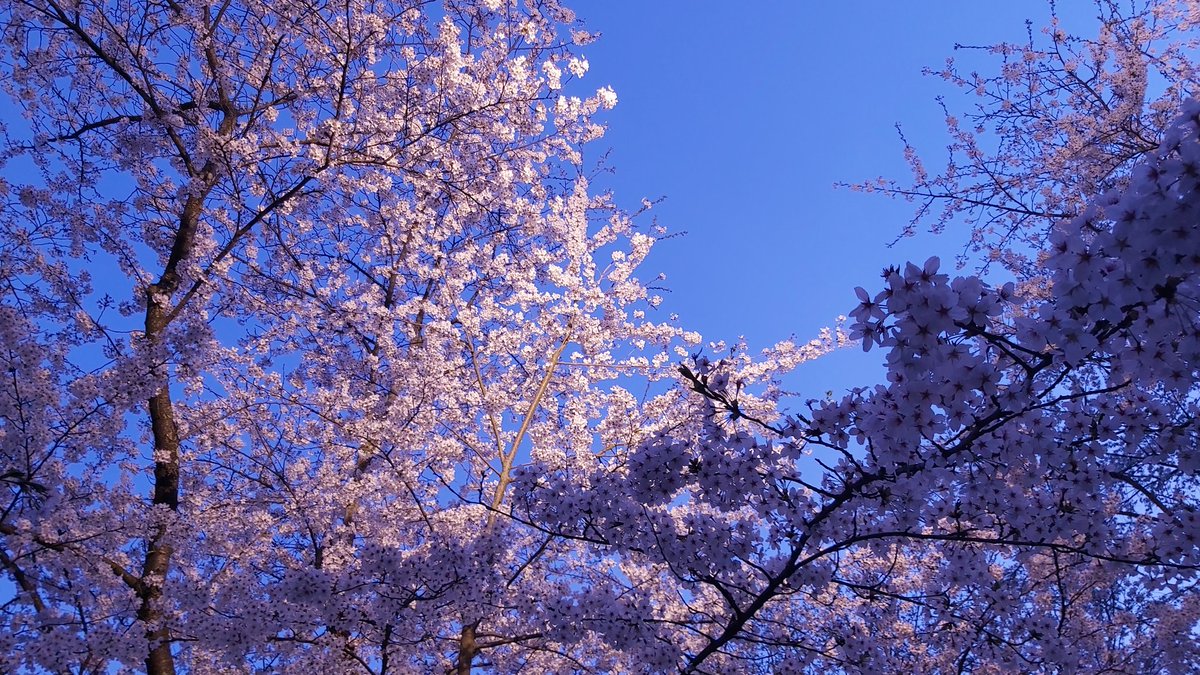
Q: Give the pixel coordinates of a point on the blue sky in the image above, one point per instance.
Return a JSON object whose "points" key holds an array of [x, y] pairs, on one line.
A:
{"points": [[744, 115]]}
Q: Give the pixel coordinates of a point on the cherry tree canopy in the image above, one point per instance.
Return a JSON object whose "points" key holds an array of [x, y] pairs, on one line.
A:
{"points": [[1059, 119], [1021, 495], [321, 354]]}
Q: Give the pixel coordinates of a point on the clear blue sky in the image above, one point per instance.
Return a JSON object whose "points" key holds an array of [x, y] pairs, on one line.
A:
{"points": [[744, 115]]}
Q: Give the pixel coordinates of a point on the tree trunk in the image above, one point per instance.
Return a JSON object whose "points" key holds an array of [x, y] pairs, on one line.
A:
{"points": [[159, 660], [466, 649]]}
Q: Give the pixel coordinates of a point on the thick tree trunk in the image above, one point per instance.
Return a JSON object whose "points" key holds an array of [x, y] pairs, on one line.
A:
{"points": [[466, 649], [158, 554], [159, 660]]}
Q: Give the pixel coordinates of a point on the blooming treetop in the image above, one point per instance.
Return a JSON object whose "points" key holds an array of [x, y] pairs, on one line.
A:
{"points": [[286, 291], [319, 354], [1021, 495], [1064, 120]]}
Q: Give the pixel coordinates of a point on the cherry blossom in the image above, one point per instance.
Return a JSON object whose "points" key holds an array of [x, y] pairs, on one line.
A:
{"points": [[322, 353], [1048, 124], [1021, 494]]}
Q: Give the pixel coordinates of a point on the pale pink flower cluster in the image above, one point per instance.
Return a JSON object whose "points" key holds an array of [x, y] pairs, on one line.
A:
{"points": [[1022, 492], [320, 353], [1064, 120]]}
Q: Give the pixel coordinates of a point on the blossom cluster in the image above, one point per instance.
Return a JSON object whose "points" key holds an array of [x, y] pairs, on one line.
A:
{"points": [[1024, 484]]}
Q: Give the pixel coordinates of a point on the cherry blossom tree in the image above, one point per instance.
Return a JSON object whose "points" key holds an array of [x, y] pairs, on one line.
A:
{"points": [[1021, 495], [1058, 120], [321, 354], [287, 290]]}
